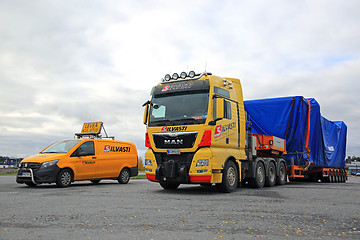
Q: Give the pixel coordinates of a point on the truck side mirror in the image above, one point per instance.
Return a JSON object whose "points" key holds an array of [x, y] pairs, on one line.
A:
{"points": [[146, 113], [219, 108]]}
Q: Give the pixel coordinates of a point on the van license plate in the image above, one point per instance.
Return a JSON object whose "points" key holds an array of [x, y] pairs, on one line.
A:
{"points": [[26, 174], [173, 151]]}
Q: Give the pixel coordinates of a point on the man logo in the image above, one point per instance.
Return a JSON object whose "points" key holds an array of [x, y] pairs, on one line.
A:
{"points": [[174, 142], [107, 148]]}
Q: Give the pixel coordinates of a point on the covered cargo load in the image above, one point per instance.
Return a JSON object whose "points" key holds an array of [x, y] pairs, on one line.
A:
{"points": [[309, 136]]}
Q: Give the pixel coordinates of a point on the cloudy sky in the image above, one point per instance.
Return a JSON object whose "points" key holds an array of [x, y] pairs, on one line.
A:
{"points": [[63, 63]]}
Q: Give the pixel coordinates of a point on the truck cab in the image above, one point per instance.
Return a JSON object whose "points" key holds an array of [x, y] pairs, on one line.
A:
{"points": [[195, 131]]}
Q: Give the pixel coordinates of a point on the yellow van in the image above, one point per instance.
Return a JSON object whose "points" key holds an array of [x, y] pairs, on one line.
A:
{"points": [[66, 161]]}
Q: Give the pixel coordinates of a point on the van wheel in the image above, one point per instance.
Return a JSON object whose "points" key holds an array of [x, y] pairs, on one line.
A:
{"points": [[271, 177], [281, 180], [30, 184], [259, 180], [64, 178], [95, 181], [230, 178], [124, 176]]}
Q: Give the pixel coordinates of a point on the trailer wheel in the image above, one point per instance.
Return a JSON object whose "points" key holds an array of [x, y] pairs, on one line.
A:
{"points": [[259, 180], [170, 186], [281, 180], [230, 178], [270, 178]]}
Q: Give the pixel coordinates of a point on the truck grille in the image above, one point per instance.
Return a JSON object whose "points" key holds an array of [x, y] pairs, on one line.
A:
{"points": [[175, 140]]}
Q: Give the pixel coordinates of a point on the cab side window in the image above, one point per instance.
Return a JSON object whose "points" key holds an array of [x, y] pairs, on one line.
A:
{"points": [[227, 110], [85, 149]]}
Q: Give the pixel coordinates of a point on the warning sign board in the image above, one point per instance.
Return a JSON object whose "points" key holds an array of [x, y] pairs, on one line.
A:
{"points": [[92, 127]]}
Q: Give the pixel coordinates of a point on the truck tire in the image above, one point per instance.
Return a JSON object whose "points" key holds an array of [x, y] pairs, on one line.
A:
{"points": [[281, 180], [270, 178], [124, 176], [230, 178], [169, 186], [64, 178], [259, 180]]}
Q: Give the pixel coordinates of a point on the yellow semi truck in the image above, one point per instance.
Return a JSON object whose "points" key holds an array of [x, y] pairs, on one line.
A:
{"points": [[196, 134]]}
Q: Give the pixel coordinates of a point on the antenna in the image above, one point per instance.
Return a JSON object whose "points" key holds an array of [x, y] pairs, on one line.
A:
{"points": [[205, 65]]}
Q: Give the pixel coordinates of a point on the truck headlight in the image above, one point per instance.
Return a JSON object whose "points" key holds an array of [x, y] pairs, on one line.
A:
{"points": [[48, 164], [202, 163], [148, 162]]}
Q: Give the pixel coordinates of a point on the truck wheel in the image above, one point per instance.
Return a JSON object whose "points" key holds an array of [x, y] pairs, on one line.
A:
{"points": [[281, 180], [270, 179], [64, 178], [259, 180], [124, 176], [230, 178], [170, 186]]}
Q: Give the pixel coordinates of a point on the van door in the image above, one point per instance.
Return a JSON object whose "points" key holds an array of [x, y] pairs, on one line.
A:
{"points": [[84, 161], [110, 160]]}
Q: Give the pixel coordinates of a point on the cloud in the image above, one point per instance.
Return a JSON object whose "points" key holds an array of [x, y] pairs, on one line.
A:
{"points": [[64, 63]]}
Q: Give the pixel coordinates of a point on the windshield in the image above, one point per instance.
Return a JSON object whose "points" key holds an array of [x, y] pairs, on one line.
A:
{"points": [[61, 146], [179, 108]]}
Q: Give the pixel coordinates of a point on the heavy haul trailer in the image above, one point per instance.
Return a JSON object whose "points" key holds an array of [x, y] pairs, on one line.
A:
{"points": [[199, 133], [315, 146]]}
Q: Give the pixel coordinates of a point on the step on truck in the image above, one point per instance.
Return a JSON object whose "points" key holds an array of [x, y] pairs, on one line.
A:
{"points": [[200, 131]]}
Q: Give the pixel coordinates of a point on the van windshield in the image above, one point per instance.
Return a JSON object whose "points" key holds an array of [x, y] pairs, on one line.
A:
{"points": [[61, 146], [179, 108]]}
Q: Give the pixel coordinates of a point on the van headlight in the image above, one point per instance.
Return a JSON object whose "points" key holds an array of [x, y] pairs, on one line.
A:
{"points": [[48, 164], [148, 162], [202, 163]]}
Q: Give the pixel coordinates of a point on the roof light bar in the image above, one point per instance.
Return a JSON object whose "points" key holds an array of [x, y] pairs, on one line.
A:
{"points": [[183, 76]]}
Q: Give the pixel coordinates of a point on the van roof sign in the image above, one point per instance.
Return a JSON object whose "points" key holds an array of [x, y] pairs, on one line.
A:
{"points": [[92, 128]]}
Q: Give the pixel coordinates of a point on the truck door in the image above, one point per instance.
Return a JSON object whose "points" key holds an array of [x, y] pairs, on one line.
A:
{"points": [[84, 161]]}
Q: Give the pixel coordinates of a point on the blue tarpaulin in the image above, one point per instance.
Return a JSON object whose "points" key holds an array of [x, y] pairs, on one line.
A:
{"points": [[288, 118]]}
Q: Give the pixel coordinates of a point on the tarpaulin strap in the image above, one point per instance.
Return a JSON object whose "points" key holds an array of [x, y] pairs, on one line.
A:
{"points": [[288, 123], [308, 126]]}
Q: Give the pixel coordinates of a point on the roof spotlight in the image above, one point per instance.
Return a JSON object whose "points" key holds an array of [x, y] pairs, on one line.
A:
{"points": [[183, 75], [191, 74], [175, 76], [167, 77]]}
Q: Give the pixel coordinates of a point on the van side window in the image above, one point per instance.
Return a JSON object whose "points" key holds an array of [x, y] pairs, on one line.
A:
{"points": [[87, 147]]}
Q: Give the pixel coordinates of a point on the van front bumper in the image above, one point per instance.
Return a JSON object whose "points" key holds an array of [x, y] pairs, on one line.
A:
{"points": [[38, 176]]}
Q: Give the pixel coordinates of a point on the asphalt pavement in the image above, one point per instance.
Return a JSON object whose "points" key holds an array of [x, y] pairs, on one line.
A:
{"points": [[143, 210]]}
